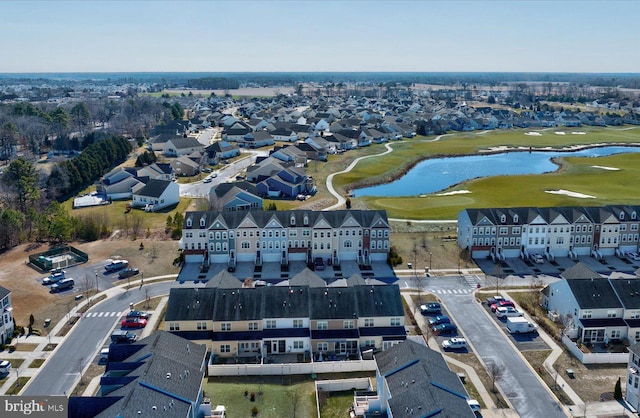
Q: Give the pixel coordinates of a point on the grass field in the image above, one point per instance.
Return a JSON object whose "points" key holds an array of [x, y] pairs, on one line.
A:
{"points": [[576, 174]]}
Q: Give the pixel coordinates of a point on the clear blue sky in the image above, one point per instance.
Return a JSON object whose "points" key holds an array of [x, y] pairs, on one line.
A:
{"points": [[515, 35]]}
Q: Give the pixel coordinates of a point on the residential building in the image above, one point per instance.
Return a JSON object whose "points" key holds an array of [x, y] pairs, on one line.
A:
{"points": [[235, 196], [595, 309], [552, 232], [323, 322], [280, 236], [414, 380], [160, 375], [177, 147], [156, 195], [7, 323], [632, 390]]}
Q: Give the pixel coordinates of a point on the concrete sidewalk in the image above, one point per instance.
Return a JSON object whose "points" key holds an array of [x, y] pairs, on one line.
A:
{"points": [[41, 342]]}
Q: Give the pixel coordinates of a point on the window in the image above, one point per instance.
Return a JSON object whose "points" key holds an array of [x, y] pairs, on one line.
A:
{"points": [[225, 348], [225, 326], [396, 322], [298, 345], [633, 227], [348, 324], [322, 325], [516, 231], [504, 230], [634, 315], [297, 323], [253, 326], [271, 323], [174, 326], [368, 322], [586, 314], [348, 244], [201, 325], [611, 314], [560, 240], [323, 346]]}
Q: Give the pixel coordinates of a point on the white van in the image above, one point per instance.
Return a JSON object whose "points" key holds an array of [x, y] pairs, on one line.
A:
{"points": [[104, 355], [5, 367]]}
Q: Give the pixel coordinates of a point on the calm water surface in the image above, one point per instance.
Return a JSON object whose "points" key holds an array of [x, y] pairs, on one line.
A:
{"points": [[439, 174]]}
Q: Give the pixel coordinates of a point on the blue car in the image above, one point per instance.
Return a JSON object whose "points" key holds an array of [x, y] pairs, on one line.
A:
{"points": [[445, 329], [440, 319]]}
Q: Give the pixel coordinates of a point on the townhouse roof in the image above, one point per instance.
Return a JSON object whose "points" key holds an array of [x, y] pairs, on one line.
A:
{"points": [[224, 280], [628, 291], [635, 348], [579, 271], [420, 382], [286, 302], [190, 304], [238, 304], [594, 293], [4, 292]]}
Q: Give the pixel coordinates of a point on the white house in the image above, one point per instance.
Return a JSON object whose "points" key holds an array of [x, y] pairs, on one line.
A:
{"points": [[6, 320], [633, 376], [156, 195]]}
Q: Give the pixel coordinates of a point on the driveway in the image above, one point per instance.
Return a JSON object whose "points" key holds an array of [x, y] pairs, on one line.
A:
{"points": [[529, 397]]}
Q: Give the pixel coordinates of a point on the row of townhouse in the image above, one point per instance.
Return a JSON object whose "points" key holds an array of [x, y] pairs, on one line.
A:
{"points": [[282, 236], [319, 321], [596, 309], [553, 232]]}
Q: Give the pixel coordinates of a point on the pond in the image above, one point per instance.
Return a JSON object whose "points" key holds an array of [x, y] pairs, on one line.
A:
{"points": [[437, 174]]}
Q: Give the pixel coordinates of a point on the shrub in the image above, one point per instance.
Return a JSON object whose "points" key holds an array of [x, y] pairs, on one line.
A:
{"points": [[254, 411], [252, 398], [617, 391]]}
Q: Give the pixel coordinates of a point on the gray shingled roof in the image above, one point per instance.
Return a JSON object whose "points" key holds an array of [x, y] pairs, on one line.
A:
{"points": [[628, 291], [594, 293], [154, 188], [421, 383], [580, 271]]}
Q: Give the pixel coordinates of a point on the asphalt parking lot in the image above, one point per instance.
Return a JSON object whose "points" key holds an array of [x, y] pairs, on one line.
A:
{"points": [[441, 338], [523, 342]]}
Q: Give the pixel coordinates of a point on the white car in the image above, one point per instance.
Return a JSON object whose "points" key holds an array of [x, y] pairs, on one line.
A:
{"points": [[474, 405], [505, 311], [454, 344], [5, 367], [536, 258], [633, 256]]}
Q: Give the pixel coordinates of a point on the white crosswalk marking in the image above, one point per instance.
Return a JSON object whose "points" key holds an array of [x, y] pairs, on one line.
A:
{"points": [[100, 314]]}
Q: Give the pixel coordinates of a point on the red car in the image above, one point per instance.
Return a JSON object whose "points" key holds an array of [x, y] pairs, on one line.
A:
{"points": [[504, 303], [134, 323]]}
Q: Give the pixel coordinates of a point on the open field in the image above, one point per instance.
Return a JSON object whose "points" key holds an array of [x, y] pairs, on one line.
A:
{"points": [[575, 175], [30, 297]]}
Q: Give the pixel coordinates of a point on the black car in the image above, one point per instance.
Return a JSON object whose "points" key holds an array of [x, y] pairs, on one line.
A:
{"points": [[129, 272]]}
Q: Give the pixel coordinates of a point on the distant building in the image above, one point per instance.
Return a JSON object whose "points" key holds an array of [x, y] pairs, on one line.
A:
{"points": [[156, 195], [7, 323]]}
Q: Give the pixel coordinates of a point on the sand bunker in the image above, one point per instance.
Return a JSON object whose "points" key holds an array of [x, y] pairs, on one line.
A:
{"points": [[605, 168], [578, 133], [453, 193], [560, 133], [570, 194], [533, 133]]}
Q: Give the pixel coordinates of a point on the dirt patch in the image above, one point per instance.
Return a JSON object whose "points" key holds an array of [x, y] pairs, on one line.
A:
{"points": [[433, 249], [591, 382], [28, 296]]}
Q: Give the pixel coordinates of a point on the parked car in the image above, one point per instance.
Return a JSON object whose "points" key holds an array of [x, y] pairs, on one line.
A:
{"points": [[494, 299], [440, 319], [445, 329], [121, 336], [318, 263], [63, 284], [536, 258], [474, 405], [134, 323], [128, 272], [116, 265], [633, 256], [53, 278], [432, 307], [454, 344], [505, 311], [137, 314], [57, 270], [501, 303], [207, 180], [5, 367]]}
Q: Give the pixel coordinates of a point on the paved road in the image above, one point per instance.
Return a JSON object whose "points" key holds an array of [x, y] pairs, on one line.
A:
{"points": [[62, 371], [527, 394]]}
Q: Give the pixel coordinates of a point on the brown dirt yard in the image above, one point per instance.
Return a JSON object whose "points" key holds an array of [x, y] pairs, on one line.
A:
{"points": [[28, 296]]}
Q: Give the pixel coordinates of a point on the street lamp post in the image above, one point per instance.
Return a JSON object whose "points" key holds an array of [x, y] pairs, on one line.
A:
{"points": [[430, 254]]}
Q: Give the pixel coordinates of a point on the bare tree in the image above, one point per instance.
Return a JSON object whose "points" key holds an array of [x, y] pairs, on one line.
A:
{"points": [[564, 322], [536, 285], [497, 277], [496, 371]]}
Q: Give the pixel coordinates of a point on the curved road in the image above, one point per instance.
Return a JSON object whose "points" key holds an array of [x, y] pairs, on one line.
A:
{"points": [[62, 370]]}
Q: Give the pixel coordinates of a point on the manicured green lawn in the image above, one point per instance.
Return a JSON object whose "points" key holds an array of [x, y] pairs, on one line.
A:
{"points": [[275, 396], [337, 404], [577, 174]]}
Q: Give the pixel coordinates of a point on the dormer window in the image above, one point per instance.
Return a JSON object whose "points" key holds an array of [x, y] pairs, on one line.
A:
{"points": [[202, 223], [622, 216], [306, 220], [503, 218], [189, 223], [293, 220], [515, 219], [633, 215]]}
